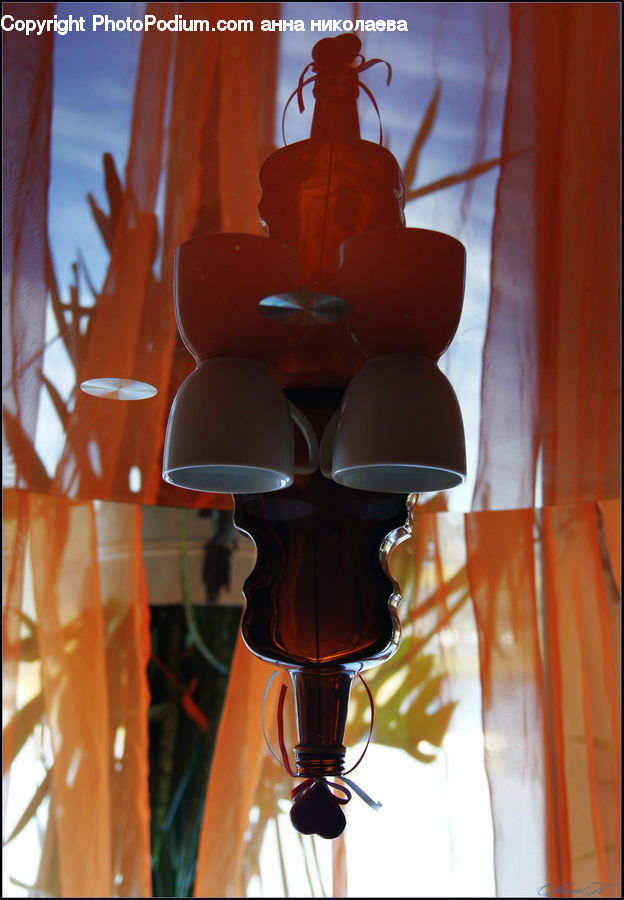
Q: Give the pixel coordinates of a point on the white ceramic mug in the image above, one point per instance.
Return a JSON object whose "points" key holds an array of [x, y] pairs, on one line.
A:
{"points": [[398, 430], [230, 430]]}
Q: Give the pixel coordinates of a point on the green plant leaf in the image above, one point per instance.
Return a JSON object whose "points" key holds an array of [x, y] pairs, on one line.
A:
{"points": [[426, 126], [60, 407], [29, 645], [25, 721], [28, 622], [48, 870], [282, 861], [436, 628], [592, 853], [415, 725], [40, 794], [33, 889], [599, 743], [158, 711], [450, 180], [114, 189], [404, 571], [84, 270], [188, 606], [29, 649], [102, 221], [179, 791], [24, 454], [57, 303], [306, 864]]}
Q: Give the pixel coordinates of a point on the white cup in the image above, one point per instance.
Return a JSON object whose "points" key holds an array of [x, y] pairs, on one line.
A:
{"points": [[398, 430], [230, 430]]}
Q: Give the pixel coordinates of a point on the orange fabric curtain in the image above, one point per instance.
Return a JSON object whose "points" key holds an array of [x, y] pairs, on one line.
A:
{"points": [[235, 771], [577, 101], [70, 615], [14, 532], [509, 386], [549, 648], [550, 414], [93, 643], [502, 579], [610, 513], [550, 390], [27, 94], [581, 625]]}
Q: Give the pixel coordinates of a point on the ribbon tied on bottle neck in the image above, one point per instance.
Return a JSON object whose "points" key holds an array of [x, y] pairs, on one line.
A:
{"points": [[337, 56], [316, 804]]}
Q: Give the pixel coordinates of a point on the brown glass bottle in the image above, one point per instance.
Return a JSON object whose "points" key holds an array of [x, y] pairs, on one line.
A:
{"points": [[321, 543], [320, 600]]}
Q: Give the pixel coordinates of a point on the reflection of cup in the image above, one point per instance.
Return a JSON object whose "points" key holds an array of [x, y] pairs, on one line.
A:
{"points": [[399, 429], [230, 430], [228, 272], [416, 273]]}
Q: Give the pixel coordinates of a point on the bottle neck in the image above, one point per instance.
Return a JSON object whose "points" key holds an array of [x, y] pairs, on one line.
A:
{"points": [[335, 111], [322, 700]]}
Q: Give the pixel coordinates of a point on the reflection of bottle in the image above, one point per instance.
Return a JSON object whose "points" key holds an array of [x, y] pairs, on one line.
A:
{"points": [[317, 193], [320, 600]]}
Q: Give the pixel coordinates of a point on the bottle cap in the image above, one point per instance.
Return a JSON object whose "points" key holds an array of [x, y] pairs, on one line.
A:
{"points": [[317, 811]]}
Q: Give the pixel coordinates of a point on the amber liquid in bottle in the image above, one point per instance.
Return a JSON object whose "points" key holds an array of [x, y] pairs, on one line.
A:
{"points": [[325, 600], [320, 600]]}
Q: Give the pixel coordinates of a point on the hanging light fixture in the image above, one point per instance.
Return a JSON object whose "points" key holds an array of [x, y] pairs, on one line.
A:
{"points": [[341, 316]]}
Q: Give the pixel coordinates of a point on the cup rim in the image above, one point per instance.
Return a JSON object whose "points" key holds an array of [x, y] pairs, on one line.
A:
{"points": [[389, 229], [271, 479], [361, 471]]}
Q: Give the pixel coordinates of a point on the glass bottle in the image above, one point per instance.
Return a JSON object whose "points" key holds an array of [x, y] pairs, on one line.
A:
{"points": [[320, 601]]}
